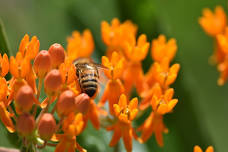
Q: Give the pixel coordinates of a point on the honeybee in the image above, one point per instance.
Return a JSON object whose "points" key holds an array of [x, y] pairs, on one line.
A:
{"points": [[88, 75]]}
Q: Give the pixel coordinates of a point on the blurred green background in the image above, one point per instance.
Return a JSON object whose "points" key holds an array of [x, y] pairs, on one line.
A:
{"points": [[200, 117]]}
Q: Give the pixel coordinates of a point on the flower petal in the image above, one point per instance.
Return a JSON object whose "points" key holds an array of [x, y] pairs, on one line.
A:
{"points": [[5, 118]]}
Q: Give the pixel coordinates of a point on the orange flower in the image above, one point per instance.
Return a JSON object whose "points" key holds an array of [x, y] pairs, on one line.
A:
{"points": [[124, 111], [115, 66], [28, 48], [3, 90], [125, 114], [68, 71], [114, 87], [162, 73], [222, 41], [147, 96], [223, 69], [68, 143], [198, 149], [213, 23], [112, 92], [218, 55], [5, 118], [161, 48], [80, 45], [72, 126], [92, 115], [4, 65], [114, 34], [20, 66], [163, 103], [15, 85], [31, 79], [136, 52], [221, 54], [153, 124], [134, 76]]}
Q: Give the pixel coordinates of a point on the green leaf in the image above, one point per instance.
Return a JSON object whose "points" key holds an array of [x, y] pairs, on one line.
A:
{"points": [[4, 47]]}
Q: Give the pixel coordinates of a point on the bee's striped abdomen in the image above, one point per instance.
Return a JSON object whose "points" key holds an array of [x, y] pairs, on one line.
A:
{"points": [[88, 83]]}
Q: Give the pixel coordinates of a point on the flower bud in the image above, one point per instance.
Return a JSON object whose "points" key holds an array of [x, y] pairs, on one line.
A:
{"points": [[24, 98], [46, 126], [52, 82], [25, 124], [57, 54], [65, 104], [42, 63], [82, 102]]}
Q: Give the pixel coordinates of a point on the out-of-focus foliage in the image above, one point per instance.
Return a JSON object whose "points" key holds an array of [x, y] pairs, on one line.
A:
{"points": [[199, 117], [4, 48]]}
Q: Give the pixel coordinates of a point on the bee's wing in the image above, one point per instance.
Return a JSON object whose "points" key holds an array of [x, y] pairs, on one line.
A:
{"points": [[102, 78]]}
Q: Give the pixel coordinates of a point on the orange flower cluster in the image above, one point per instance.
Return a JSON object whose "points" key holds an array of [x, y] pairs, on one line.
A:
{"points": [[125, 54], [198, 149], [70, 82], [215, 25]]}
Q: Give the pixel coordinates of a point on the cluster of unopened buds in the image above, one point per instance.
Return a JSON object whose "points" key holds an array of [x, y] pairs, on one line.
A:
{"points": [[215, 25], [70, 89]]}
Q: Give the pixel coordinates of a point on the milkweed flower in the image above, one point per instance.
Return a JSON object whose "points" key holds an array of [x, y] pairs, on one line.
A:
{"points": [[114, 87], [72, 127], [161, 75], [213, 23], [80, 45], [125, 112], [153, 125], [46, 126], [25, 99], [92, 114], [19, 66], [55, 72], [66, 103], [161, 48], [57, 54], [6, 118], [114, 34], [25, 124], [29, 49], [42, 63], [4, 65], [135, 53], [198, 149], [163, 103]]}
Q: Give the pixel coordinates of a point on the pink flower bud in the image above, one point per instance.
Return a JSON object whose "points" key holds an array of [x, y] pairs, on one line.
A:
{"points": [[65, 104], [82, 102], [25, 124], [42, 63], [52, 82], [46, 126], [57, 54], [24, 98]]}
